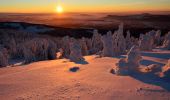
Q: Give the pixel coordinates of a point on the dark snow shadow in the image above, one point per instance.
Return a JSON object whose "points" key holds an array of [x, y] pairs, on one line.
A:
{"points": [[74, 69], [121, 56], [157, 55], [149, 62], [152, 79], [83, 62]]}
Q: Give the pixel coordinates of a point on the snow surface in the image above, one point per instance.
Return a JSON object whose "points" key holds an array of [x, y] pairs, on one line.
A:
{"points": [[53, 80]]}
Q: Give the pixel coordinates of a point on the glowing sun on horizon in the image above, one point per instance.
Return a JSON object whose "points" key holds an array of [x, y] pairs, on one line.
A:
{"points": [[59, 9]]}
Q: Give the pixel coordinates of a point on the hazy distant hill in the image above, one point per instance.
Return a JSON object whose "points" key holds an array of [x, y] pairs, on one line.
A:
{"points": [[142, 17]]}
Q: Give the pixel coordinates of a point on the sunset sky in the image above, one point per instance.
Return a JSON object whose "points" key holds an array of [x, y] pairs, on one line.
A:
{"points": [[48, 6]]}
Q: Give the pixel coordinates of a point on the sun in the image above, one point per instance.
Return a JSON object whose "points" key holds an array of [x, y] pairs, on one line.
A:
{"points": [[59, 9]]}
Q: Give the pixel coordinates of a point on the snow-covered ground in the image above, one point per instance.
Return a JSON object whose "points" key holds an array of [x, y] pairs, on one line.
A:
{"points": [[53, 80]]}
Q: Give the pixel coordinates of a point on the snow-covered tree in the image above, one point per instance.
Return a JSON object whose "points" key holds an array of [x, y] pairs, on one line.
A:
{"points": [[130, 64], [3, 57], [129, 43], [39, 49], [75, 51], [146, 42], [157, 41], [134, 58], [84, 48], [166, 43], [97, 44], [121, 40], [107, 45], [65, 46]]}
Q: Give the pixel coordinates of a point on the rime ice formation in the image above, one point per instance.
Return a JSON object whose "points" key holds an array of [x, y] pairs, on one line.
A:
{"points": [[96, 42], [3, 57], [166, 43], [107, 45], [75, 51], [130, 64]]}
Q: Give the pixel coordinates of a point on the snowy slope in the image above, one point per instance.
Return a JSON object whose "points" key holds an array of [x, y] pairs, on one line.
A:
{"points": [[52, 80]]}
